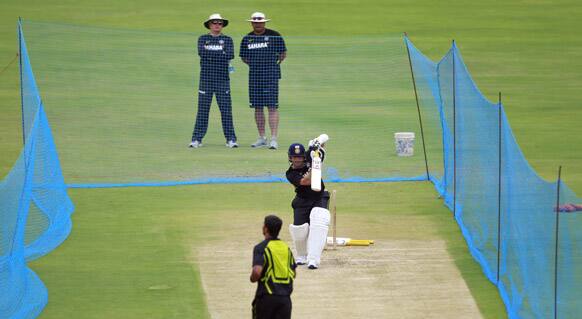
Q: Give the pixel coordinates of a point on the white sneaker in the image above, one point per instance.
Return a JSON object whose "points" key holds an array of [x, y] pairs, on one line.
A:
{"points": [[195, 144], [231, 144], [261, 141], [301, 260], [273, 145], [312, 265]]}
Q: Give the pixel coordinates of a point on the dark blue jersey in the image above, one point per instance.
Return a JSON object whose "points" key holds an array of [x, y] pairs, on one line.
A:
{"points": [[262, 53], [215, 54], [295, 175]]}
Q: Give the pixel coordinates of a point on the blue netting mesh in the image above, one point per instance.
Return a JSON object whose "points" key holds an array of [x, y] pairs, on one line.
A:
{"points": [[506, 212], [428, 94], [34, 207], [569, 262], [527, 235], [48, 222]]}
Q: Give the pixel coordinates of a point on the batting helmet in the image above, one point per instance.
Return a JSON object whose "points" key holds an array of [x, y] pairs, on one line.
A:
{"points": [[296, 149]]}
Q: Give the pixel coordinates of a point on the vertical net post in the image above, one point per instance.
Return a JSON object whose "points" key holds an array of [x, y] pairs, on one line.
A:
{"points": [[417, 108], [21, 80], [556, 248], [454, 138], [499, 191]]}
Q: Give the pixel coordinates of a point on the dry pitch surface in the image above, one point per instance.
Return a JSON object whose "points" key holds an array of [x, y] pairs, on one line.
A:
{"points": [[391, 279]]}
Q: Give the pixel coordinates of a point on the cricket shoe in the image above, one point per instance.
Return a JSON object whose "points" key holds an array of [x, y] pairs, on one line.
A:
{"points": [[273, 145], [231, 144], [261, 141], [301, 260], [312, 265], [195, 144]]}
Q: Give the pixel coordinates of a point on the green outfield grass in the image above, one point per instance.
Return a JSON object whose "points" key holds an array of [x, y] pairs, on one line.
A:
{"points": [[122, 102], [529, 51], [128, 255], [130, 252]]}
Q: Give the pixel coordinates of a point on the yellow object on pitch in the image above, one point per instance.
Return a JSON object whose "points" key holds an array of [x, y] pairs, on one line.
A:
{"points": [[359, 242], [344, 241]]}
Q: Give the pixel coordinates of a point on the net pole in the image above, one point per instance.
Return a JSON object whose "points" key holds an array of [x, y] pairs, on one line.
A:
{"points": [[21, 81], [454, 138], [417, 108], [499, 192], [556, 238]]}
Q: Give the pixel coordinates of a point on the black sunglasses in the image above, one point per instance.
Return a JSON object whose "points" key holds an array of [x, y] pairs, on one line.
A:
{"points": [[217, 22]]}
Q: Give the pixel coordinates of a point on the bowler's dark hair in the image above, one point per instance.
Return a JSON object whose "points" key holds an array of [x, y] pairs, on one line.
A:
{"points": [[273, 224]]}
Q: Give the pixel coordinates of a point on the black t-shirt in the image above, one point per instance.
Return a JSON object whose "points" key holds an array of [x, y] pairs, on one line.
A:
{"points": [[262, 54], [259, 260], [294, 177], [215, 54]]}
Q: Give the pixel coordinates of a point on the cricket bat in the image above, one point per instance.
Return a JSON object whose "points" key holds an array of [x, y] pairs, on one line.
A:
{"points": [[316, 163], [316, 172]]}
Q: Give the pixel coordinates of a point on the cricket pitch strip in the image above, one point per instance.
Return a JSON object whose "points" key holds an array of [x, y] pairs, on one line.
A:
{"points": [[390, 279]]}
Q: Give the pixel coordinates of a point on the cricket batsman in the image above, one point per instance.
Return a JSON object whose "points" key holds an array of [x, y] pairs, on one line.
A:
{"points": [[310, 208]]}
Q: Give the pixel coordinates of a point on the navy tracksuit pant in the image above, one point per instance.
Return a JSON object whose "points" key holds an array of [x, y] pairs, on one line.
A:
{"points": [[206, 90]]}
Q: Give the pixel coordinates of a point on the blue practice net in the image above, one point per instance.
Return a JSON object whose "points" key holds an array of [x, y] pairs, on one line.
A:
{"points": [[123, 106], [569, 254], [507, 213], [34, 207]]}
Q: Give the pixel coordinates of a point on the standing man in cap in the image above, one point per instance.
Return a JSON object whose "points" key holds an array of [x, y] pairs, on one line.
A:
{"points": [[263, 50], [215, 50]]}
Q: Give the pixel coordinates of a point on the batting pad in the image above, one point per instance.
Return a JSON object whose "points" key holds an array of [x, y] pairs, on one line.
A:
{"points": [[318, 228], [299, 235]]}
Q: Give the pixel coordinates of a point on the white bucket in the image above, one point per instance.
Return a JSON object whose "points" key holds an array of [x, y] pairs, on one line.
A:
{"points": [[404, 143]]}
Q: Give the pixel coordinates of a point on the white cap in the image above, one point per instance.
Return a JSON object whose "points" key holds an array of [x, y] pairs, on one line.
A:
{"points": [[215, 16], [258, 17]]}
